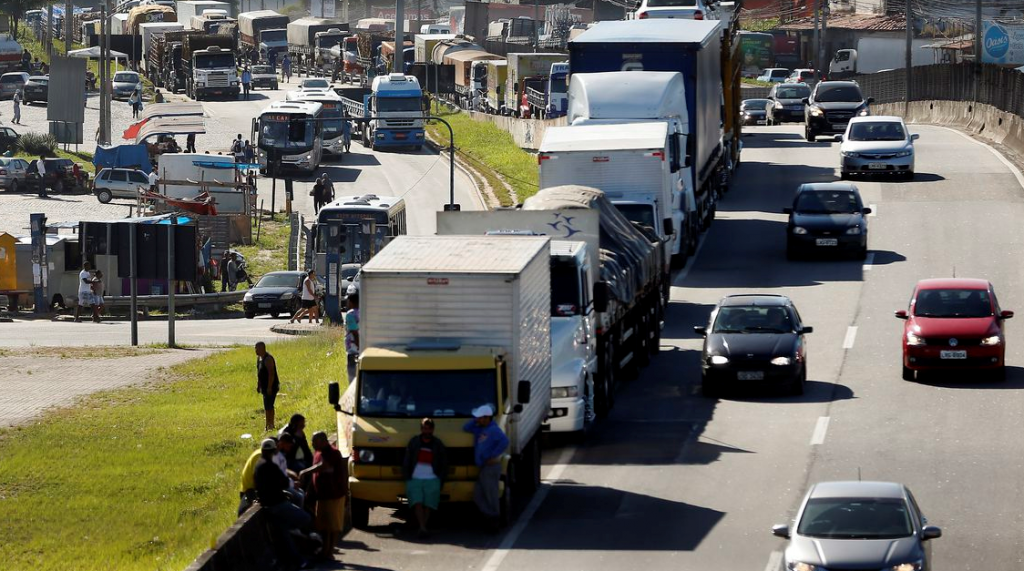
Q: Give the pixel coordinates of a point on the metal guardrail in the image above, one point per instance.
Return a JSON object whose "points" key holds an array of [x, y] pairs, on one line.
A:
{"points": [[180, 300]]}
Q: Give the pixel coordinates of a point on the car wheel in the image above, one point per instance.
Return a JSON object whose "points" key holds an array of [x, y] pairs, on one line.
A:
{"points": [[274, 314], [14, 186], [275, 87], [862, 254], [810, 135], [250, 314], [843, 175], [798, 384], [909, 175], [908, 373], [104, 196]]}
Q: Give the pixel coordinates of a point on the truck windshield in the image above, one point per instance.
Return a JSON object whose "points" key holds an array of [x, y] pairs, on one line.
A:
{"points": [[214, 61], [290, 135], [642, 214], [416, 394], [272, 36], [565, 290], [391, 104]]}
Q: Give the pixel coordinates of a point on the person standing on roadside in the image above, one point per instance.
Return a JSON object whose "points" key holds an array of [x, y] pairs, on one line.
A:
{"points": [[249, 153], [308, 300], [330, 485], [328, 188], [238, 149], [232, 271], [98, 307], [286, 68], [346, 130], [41, 171], [352, 334], [272, 489], [17, 107], [190, 143], [267, 382], [154, 180], [489, 443], [424, 470], [84, 290], [246, 82], [300, 456]]}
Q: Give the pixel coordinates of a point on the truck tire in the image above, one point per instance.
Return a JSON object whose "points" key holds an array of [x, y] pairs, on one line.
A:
{"points": [[360, 514], [507, 514], [604, 382]]}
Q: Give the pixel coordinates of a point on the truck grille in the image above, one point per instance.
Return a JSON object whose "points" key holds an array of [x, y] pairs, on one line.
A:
{"points": [[399, 122], [217, 80], [395, 456]]}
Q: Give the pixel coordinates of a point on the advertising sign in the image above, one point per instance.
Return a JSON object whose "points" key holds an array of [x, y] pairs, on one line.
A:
{"points": [[1003, 44]]}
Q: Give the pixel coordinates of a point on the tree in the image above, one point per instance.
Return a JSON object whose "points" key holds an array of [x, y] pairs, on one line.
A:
{"points": [[16, 10]]}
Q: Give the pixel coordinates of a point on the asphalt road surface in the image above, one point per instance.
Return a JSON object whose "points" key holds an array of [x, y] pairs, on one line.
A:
{"points": [[672, 480]]}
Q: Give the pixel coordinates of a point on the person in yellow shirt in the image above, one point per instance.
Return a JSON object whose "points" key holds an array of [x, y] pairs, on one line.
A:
{"points": [[247, 488]]}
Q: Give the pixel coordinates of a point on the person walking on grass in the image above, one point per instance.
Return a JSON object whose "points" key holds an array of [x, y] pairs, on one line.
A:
{"points": [[330, 485], [424, 470], [267, 382], [489, 444]]}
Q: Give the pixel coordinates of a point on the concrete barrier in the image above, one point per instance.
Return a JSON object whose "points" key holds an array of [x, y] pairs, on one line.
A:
{"points": [[527, 133], [245, 546], [988, 122]]}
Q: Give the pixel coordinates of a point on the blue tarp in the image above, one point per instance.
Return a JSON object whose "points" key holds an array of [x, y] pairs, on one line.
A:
{"points": [[123, 156]]}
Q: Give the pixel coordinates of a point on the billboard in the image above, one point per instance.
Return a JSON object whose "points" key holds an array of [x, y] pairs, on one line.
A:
{"points": [[1002, 44]]}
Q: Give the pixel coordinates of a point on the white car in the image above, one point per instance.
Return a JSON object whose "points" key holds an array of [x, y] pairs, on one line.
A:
{"points": [[774, 75], [314, 83], [13, 173], [684, 9], [113, 183], [877, 145]]}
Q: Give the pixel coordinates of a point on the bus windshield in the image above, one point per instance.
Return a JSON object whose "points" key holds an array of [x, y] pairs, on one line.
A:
{"points": [[331, 116], [295, 133], [558, 84], [391, 104]]}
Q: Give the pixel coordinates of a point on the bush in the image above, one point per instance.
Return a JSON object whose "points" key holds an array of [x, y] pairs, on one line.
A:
{"points": [[38, 144]]}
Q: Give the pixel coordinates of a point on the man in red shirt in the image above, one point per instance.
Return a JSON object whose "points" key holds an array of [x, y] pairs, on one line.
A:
{"points": [[424, 470], [330, 482]]}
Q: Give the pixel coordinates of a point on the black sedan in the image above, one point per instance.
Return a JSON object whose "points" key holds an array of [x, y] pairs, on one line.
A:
{"points": [[827, 218], [754, 111], [37, 89], [754, 340], [276, 293], [786, 102]]}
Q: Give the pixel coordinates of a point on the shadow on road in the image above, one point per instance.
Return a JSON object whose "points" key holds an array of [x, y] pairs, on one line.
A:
{"points": [[814, 392], [769, 187], [973, 380], [886, 257]]}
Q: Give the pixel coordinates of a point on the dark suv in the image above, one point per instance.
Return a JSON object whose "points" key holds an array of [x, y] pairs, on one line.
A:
{"points": [[831, 106], [61, 175]]}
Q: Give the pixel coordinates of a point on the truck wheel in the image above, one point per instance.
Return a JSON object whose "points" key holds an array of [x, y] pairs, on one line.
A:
{"points": [[360, 514], [104, 196], [604, 383], [507, 515]]}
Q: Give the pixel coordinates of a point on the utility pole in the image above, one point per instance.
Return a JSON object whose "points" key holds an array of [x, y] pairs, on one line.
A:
{"points": [[817, 39], [399, 59], [536, 23], [104, 135], [69, 17], [170, 281], [909, 56], [822, 56], [48, 32], [979, 28]]}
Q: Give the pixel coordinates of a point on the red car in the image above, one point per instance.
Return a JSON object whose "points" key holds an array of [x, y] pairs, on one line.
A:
{"points": [[954, 323]]}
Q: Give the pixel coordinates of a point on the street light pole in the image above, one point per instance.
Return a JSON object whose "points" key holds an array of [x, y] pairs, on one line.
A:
{"points": [[399, 56], [908, 56]]}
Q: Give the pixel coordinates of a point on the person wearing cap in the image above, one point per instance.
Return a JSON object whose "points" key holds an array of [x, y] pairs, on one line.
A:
{"points": [[272, 490], [330, 483], [489, 443], [424, 469]]}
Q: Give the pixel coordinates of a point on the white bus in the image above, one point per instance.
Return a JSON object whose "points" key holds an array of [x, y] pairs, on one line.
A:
{"points": [[333, 111], [291, 132]]}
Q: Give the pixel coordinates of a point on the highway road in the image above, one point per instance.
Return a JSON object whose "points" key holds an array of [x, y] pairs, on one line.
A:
{"points": [[672, 480]]}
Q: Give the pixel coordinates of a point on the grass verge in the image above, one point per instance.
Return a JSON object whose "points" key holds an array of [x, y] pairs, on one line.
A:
{"points": [[83, 158], [749, 81], [146, 478], [492, 152]]}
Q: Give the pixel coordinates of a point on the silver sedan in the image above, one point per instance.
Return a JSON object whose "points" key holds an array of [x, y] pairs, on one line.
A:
{"points": [[877, 145]]}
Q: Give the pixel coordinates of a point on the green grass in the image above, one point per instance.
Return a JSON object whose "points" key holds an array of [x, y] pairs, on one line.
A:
{"points": [[491, 151], [84, 158], [270, 252], [145, 479], [749, 81]]}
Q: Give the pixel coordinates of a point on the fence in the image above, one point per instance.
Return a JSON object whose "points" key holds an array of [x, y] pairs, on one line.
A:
{"points": [[1002, 88]]}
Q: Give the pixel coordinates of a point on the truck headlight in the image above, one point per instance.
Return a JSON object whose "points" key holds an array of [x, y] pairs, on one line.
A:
{"points": [[564, 392], [366, 456], [799, 230]]}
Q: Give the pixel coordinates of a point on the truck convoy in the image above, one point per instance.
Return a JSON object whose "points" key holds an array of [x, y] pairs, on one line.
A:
{"points": [[208, 64], [552, 101], [262, 32], [434, 343], [310, 41], [395, 104]]}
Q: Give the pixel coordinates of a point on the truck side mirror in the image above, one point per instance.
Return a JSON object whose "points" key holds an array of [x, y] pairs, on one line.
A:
{"points": [[523, 392], [334, 394], [669, 226], [601, 295]]}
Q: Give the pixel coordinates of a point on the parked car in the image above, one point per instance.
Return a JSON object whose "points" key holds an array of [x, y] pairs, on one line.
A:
{"points": [[687, 9], [263, 76], [827, 217], [787, 102], [877, 145], [831, 106], [858, 525], [113, 183], [11, 82], [753, 111], [61, 175], [801, 75], [774, 75], [125, 83], [277, 293], [13, 173], [314, 83], [753, 340], [8, 139], [37, 89], [954, 324]]}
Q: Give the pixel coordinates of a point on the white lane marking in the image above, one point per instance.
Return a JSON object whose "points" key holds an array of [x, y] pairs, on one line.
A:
{"points": [[774, 561], [870, 259], [820, 430], [499, 555], [874, 209], [1006, 162], [851, 336]]}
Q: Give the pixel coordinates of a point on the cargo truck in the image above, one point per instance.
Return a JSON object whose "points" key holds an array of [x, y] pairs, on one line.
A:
{"points": [[690, 47], [523, 65], [424, 44], [208, 64], [874, 54], [310, 41], [262, 32], [552, 101], [448, 323], [187, 9], [212, 21], [163, 62], [150, 13], [151, 30], [654, 97], [386, 57], [494, 86], [396, 105]]}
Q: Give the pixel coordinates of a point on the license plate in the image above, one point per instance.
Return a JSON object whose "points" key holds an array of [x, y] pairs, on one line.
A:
{"points": [[795, 107], [952, 354], [839, 126], [826, 242], [877, 166], [750, 375], [761, 121], [400, 136], [264, 306], [218, 92]]}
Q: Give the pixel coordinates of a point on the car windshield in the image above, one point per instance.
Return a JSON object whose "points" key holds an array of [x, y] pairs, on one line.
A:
{"points": [[672, 3], [758, 104], [877, 131], [278, 280], [855, 518], [753, 319], [839, 94], [827, 202], [315, 83], [416, 394], [793, 92], [953, 303], [126, 77], [11, 79]]}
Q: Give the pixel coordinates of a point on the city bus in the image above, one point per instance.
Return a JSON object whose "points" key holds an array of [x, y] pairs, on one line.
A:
{"points": [[331, 126], [349, 231], [290, 132]]}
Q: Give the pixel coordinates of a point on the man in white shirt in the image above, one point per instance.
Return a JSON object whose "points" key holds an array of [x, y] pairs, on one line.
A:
{"points": [[41, 169], [84, 290], [153, 180]]}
